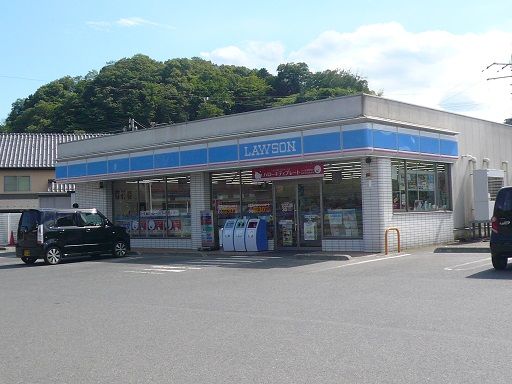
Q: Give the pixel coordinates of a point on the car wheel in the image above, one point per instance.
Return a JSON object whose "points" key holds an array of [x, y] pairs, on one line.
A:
{"points": [[120, 249], [28, 260], [53, 255], [499, 262]]}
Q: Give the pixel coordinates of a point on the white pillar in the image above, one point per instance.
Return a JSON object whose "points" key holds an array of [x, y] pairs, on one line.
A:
{"points": [[200, 197], [377, 201]]}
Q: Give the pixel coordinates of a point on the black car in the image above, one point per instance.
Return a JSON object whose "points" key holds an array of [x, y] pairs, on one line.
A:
{"points": [[54, 234], [501, 229]]}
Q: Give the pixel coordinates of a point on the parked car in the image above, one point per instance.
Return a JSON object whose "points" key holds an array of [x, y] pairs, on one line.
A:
{"points": [[501, 229], [55, 234]]}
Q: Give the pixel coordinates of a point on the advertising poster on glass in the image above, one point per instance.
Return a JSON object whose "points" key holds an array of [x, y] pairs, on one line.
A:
{"points": [[207, 230]]}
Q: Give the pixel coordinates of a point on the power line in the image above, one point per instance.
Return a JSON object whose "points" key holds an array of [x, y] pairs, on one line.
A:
{"points": [[21, 78]]}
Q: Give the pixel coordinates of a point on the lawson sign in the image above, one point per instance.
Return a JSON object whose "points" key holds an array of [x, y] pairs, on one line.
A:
{"points": [[285, 147]]}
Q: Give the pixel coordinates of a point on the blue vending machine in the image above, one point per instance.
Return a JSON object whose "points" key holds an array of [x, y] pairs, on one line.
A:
{"points": [[228, 235], [239, 236], [256, 235]]}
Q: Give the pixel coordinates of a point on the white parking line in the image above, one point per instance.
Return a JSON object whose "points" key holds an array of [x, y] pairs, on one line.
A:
{"points": [[213, 262], [165, 270], [456, 267], [363, 262], [174, 267], [147, 273]]}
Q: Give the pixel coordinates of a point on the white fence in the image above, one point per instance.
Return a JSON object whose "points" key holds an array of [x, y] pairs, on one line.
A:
{"points": [[8, 223]]}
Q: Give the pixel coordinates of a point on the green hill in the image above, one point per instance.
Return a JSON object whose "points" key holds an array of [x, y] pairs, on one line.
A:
{"points": [[176, 90]]}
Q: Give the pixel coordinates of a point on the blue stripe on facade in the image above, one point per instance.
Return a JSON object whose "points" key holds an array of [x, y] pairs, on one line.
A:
{"points": [[384, 139], [449, 147], [271, 148], [324, 142], [193, 157], [408, 143], [97, 168], [119, 165], [359, 138], [141, 163], [167, 160], [223, 154], [429, 145], [61, 171], [77, 170]]}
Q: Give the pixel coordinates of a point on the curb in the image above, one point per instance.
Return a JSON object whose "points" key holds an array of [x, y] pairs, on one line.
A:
{"points": [[312, 256], [206, 254], [462, 250]]}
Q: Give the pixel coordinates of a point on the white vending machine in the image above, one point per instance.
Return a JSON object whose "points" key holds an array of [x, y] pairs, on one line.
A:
{"points": [[256, 235], [239, 236], [228, 235]]}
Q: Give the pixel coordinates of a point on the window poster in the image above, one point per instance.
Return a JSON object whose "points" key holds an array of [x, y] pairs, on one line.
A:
{"points": [[310, 230], [286, 227], [343, 222], [207, 229], [412, 182]]}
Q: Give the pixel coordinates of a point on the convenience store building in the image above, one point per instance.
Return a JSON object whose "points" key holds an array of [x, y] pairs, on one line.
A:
{"points": [[332, 174]]}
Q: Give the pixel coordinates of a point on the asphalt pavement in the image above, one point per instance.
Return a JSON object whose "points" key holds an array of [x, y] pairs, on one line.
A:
{"points": [[414, 317]]}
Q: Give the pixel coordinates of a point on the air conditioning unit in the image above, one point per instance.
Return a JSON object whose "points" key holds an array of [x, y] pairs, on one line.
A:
{"points": [[486, 184]]}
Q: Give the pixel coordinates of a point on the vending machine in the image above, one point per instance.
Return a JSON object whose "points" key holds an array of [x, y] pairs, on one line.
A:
{"points": [[239, 236], [256, 235], [228, 235]]}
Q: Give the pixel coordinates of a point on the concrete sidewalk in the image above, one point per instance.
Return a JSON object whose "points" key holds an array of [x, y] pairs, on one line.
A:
{"points": [[477, 246]]}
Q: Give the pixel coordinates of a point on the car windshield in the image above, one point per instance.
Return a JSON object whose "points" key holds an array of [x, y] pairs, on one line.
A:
{"points": [[91, 219]]}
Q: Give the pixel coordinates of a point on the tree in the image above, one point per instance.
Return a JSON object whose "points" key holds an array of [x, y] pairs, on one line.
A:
{"points": [[291, 78], [176, 90]]}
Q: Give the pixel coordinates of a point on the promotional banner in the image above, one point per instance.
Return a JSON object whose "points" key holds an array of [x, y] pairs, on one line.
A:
{"points": [[291, 171]]}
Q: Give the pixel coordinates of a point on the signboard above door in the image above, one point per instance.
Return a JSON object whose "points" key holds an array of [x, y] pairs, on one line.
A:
{"points": [[291, 171]]}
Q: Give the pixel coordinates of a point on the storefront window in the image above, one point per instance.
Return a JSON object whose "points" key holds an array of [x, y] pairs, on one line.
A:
{"points": [[126, 207], [158, 207], [398, 185], [342, 200], [257, 201], [226, 189], [426, 186], [178, 207], [152, 207], [443, 187]]}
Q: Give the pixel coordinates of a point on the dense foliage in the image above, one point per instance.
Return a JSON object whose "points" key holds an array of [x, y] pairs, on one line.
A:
{"points": [[173, 91]]}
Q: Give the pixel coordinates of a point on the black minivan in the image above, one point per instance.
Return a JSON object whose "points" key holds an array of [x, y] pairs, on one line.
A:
{"points": [[501, 229], [54, 234]]}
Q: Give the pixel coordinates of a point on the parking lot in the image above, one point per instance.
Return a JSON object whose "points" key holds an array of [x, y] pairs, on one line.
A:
{"points": [[402, 318]]}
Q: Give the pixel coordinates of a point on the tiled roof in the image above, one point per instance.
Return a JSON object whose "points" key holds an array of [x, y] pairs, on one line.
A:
{"points": [[33, 150]]}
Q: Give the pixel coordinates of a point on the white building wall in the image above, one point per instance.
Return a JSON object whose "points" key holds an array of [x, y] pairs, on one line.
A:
{"points": [[200, 199], [8, 223], [95, 195], [161, 243], [419, 229]]}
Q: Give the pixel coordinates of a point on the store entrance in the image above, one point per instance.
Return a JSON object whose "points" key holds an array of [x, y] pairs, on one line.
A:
{"points": [[298, 214]]}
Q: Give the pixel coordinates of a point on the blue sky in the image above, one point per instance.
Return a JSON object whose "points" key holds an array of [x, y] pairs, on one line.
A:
{"points": [[429, 53]]}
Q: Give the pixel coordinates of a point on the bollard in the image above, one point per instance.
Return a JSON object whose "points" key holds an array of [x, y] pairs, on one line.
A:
{"points": [[386, 238]]}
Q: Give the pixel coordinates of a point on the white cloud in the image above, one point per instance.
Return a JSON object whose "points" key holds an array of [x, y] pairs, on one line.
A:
{"points": [[125, 22], [253, 54], [436, 69]]}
